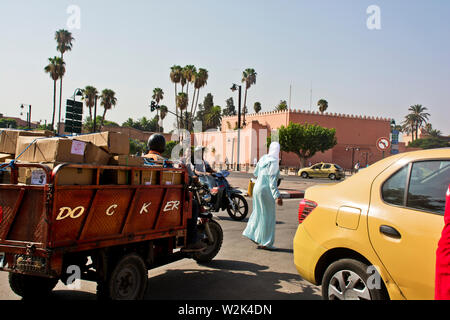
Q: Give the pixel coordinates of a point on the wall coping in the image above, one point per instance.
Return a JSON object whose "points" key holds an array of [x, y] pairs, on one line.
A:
{"points": [[315, 113]]}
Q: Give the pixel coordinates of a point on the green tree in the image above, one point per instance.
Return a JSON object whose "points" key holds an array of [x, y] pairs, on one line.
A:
{"points": [[282, 106], [89, 95], [176, 73], [163, 111], [182, 104], [257, 107], [420, 117], [305, 140], [108, 100], [230, 108], [200, 81], [158, 96], [323, 105], [214, 118], [8, 123], [429, 143], [64, 41], [56, 69]]}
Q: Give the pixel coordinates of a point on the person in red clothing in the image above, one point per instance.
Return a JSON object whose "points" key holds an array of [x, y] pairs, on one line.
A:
{"points": [[442, 289]]}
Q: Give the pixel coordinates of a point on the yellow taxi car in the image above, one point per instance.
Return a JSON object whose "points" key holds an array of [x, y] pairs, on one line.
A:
{"points": [[322, 170], [375, 235]]}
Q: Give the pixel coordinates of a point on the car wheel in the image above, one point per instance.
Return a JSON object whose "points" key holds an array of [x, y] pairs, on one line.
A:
{"points": [[349, 279], [332, 176], [305, 175]]}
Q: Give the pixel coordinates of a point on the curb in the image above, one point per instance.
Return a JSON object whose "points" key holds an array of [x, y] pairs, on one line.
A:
{"points": [[285, 194]]}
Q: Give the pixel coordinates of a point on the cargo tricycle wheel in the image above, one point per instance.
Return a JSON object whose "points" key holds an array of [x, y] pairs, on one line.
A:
{"points": [[28, 286], [127, 281], [212, 248]]}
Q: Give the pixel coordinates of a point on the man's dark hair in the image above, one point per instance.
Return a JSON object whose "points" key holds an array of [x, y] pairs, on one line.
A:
{"points": [[157, 143]]}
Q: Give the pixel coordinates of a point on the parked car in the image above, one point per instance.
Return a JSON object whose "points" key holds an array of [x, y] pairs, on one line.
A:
{"points": [[322, 170], [374, 236]]}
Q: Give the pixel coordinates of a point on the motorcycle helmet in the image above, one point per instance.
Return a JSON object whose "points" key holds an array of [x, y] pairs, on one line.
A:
{"points": [[157, 143]]}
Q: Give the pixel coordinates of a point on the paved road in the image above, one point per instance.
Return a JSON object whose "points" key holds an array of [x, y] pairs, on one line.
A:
{"points": [[239, 272]]}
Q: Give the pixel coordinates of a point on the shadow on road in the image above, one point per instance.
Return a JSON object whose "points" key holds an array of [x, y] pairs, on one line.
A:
{"points": [[229, 280]]}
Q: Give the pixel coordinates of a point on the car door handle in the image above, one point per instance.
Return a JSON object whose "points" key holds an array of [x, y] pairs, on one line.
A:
{"points": [[390, 232]]}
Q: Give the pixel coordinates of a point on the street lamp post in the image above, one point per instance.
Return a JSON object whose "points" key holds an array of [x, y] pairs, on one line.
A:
{"points": [[28, 114], [234, 88]]}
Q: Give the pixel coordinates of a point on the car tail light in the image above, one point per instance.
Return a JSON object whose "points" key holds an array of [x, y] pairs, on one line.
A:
{"points": [[304, 209], [1, 214]]}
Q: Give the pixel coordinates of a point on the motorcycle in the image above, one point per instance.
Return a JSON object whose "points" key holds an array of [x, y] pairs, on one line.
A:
{"points": [[225, 197], [209, 231]]}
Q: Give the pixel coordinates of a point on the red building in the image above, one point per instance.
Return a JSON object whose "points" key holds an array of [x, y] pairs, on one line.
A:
{"points": [[356, 138]]}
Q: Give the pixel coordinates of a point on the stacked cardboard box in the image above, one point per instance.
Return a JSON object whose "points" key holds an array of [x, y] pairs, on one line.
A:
{"points": [[9, 137], [61, 150]]}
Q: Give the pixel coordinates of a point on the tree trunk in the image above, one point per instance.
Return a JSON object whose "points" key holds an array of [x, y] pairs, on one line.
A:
{"points": [[103, 120], [54, 104], [196, 102], [176, 107], [60, 101], [245, 104]]}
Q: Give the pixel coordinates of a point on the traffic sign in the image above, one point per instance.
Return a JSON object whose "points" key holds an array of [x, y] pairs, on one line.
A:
{"points": [[383, 144], [74, 117]]}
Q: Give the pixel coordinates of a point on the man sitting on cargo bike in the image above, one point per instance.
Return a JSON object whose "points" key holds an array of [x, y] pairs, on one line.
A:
{"points": [[157, 145]]}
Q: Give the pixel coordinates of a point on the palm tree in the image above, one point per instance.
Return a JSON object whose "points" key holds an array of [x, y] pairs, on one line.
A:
{"points": [[89, 95], [420, 116], [214, 117], [201, 80], [109, 100], [323, 105], [158, 95], [189, 73], [182, 103], [64, 40], [56, 68], [257, 107], [163, 113], [249, 77], [408, 125], [175, 76]]}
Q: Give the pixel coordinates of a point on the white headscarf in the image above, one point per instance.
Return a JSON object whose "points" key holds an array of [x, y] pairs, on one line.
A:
{"points": [[274, 156], [274, 151]]}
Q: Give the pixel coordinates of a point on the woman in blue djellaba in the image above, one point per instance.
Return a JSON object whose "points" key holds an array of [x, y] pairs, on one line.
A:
{"points": [[261, 225]]}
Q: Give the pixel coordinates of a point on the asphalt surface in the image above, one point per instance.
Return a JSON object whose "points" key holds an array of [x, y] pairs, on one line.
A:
{"points": [[239, 272]]}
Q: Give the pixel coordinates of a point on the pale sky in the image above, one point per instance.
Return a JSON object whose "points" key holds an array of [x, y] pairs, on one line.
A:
{"points": [[129, 47]]}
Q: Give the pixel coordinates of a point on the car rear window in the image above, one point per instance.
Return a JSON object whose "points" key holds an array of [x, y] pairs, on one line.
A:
{"points": [[393, 190], [338, 167], [428, 185]]}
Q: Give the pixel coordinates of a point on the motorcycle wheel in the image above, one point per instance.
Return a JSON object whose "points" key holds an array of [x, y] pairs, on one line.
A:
{"points": [[212, 248], [241, 207]]}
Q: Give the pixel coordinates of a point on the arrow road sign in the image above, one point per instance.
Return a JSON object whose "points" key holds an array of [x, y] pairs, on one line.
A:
{"points": [[383, 144]]}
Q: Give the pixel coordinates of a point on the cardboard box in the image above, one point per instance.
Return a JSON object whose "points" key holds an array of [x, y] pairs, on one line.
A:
{"points": [[59, 150], [127, 160], [115, 177], [112, 142], [120, 177], [4, 157], [9, 137], [149, 178], [95, 155], [5, 176], [170, 177], [66, 176]]}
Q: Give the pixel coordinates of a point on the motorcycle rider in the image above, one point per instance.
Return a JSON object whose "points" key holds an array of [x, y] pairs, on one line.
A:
{"points": [[202, 168], [157, 145]]}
